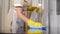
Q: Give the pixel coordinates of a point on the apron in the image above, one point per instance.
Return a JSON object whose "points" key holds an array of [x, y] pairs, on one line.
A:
{"points": [[17, 24]]}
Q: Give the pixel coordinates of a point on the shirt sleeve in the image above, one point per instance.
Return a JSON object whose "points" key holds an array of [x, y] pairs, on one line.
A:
{"points": [[18, 2]]}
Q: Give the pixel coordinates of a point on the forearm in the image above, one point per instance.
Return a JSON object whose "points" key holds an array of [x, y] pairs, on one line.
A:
{"points": [[23, 17], [20, 14]]}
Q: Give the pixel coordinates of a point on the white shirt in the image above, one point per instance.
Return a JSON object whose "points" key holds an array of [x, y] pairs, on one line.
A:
{"points": [[15, 24]]}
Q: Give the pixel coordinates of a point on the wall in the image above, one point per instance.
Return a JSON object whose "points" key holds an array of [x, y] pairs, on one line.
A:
{"points": [[0, 14], [4, 13], [53, 17], [58, 16]]}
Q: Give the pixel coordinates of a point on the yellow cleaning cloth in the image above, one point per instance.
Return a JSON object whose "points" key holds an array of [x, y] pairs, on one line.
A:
{"points": [[31, 22]]}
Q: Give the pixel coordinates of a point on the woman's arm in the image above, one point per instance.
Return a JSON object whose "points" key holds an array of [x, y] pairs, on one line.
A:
{"points": [[20, 14], [25, 19]]}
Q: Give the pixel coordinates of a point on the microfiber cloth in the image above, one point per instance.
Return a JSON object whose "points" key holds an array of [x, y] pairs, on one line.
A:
{"points": [[36, 27]]}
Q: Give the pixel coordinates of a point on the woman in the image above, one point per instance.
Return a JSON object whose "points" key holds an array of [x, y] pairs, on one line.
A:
{"points": [[19, 10], [18, 5]]}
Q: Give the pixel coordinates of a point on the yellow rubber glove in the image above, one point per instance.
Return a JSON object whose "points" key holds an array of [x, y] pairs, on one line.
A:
{"points": [[31, 22], [32, 8]]}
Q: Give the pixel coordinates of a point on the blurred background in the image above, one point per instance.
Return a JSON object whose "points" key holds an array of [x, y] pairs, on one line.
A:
{"points": [[49, 16]]}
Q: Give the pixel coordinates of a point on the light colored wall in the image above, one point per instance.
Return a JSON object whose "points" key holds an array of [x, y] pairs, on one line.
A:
{"points": [[53, 17], [58, 16], [58, 19], [4, 13], [0, 18], [0, 14]]}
